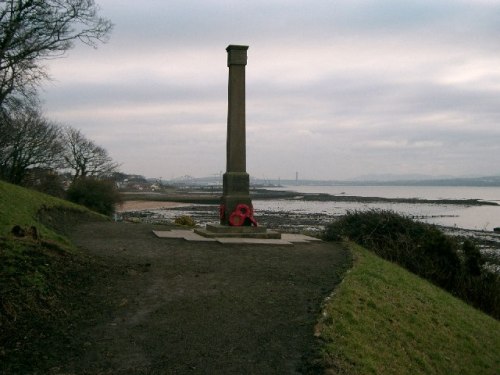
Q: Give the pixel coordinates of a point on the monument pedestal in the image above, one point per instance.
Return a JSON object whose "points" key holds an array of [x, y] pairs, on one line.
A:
{"points": [[224, 231], [235, 204]]}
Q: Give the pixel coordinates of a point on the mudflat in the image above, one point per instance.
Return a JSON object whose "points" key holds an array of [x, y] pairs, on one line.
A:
{"points": [[132, 205], [169, 306]]}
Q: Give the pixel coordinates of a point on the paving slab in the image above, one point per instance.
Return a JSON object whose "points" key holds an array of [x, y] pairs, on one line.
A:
{"points": [[293, 237], [186, 234], [255, 241], [174, 233], [220, 231], [190, 235]]}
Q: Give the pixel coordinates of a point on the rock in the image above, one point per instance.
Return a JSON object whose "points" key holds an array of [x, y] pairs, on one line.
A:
{"points": [[33, 233], [20, 232], [17, 231]]}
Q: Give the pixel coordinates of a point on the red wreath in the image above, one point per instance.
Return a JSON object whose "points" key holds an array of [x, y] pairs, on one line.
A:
{"points": [[243, 213], [237, 219]]}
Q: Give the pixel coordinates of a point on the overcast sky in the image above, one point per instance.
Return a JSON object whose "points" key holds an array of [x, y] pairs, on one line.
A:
{"points": [[335, 88]]}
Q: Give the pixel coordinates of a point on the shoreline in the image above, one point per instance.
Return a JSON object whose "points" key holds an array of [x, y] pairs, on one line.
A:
{"points": [[140, 205], [203, 206], [201, 197], [286, 222]]}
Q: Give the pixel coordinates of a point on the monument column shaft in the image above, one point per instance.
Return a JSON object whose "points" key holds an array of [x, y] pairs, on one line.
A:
{"points": [[236, 141], [236, 210], [236, 182]]}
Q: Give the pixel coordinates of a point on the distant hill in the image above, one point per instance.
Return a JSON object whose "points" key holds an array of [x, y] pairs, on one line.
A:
{"points": [[492, 181], [367, 180], [434, 181], [398, 177]]}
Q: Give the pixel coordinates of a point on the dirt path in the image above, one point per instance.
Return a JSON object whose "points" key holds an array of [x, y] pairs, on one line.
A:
{"points": [[178, 307]]}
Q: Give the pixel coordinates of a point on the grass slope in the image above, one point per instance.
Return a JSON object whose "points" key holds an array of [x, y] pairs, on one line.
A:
{"points": [[25, 207], [40, 278], [384, 320]]}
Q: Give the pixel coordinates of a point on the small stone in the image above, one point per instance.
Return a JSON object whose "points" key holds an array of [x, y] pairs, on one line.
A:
{"points": [[17, 231]]}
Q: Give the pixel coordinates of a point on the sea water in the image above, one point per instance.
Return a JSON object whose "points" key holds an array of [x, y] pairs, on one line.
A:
{"points": [[480, 218], [451, 215], [491, 194]]}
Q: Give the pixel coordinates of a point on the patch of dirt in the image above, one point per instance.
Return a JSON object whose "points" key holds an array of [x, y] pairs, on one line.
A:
{"points": [[45, 293], [169, 306]]}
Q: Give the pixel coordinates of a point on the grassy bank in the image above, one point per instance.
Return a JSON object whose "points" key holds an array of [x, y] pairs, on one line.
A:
{"points": [[385, 320], [28, 208], [43, 280]]}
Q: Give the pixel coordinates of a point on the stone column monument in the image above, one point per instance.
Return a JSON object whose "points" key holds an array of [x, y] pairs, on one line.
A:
{"points": [[236, 210], [236, 180]]}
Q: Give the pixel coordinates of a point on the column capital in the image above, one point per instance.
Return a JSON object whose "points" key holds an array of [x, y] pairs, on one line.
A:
{"points": [[236, 55]]}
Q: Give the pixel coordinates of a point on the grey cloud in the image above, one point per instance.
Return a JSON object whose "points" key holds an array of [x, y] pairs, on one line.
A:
{"points": [[178, 22], [85, 95], [334, 88]]}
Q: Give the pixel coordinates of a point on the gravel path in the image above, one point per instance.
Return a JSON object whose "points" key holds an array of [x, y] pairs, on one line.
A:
{"points": [[178, 307]]}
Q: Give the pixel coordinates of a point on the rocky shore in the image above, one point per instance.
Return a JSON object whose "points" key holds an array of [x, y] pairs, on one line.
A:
{"points": [[204, 210]]}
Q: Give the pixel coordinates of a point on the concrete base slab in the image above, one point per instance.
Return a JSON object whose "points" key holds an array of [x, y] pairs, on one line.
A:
{"points": [[218, 228], [191, 235], [292, 237], [255, 241], [224, 231], [188, 235]]}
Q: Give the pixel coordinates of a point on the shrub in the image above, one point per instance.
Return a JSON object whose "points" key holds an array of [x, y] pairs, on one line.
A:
{"points": [[185, 221], [97, 195], [473, 258], [424, 250], [48, 183]]}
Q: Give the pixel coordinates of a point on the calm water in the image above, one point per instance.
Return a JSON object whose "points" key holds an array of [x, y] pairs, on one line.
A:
{"points": [[422, 192], [467, 217]]}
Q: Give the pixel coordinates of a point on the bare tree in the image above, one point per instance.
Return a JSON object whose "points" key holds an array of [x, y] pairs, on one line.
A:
{"points": [[27, 141], [85, 158], [35, 30]]}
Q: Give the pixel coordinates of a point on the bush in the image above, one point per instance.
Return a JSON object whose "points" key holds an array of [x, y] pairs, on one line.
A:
{"points": [[97, 195], [185, 221], [424, 250], [48, 183], [473, 258]]}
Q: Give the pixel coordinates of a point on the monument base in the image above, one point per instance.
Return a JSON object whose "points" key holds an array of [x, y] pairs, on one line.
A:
{"points": [[224, 231]]}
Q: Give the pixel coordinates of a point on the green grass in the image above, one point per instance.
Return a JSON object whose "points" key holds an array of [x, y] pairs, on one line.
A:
{"points": [[384, 320], [25, 261], [41, 279], [20, 206]]}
